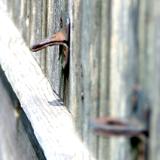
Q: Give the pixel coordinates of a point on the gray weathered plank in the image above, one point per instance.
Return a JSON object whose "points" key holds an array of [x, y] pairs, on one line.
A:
{"points": [[122, 74], [90, 53], [153, 50], [53, 68], [75, 76], [52, 124], [103, 150], [36, 25], [15, 144]]}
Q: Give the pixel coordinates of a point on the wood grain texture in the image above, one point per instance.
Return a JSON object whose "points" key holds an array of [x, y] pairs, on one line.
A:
{"points": [[15, 144], [75, 75], [52, 124], [36, 25], [104, 109], [142, 29], [24, 20], [122, 73], [153, 51], [113, 46], [90, 58], [53, 67]]}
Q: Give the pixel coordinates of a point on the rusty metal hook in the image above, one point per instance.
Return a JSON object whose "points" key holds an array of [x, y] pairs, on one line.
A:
{"points": [[58, 38], [108, 126]]}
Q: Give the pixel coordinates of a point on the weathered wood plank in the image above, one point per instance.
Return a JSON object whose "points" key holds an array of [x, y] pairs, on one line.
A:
{"points": [[53, 67], [43, 29], [16, 7], [122, 73], [54, 71], [90, 48], [52, 124], [36, 25], [75, 75], [24, 19], [15, 144], [142, 29], [103, 150], [153, 51]]}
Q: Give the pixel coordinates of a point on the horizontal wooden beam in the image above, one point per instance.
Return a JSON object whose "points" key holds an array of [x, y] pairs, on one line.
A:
{"points": [[51, 122]]}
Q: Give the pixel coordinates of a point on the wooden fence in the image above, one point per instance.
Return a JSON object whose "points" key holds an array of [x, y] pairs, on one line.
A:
{"points": [[114, 46]]}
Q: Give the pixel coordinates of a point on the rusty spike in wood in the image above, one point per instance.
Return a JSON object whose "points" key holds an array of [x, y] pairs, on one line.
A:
{"points": [[59, 38], [108, 126]]}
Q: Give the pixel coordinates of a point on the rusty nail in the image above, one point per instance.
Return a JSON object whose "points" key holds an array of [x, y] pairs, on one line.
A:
{"points": [[108, 126], [58, 38]]}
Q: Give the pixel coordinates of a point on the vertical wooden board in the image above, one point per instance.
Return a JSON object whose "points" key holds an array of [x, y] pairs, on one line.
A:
{"points": [[154, 47], [30, 18], [76, 90], [24, 18], [16, 12], [149, 52], [133, 39], [148, 69], [36, 26], [103, 149], [142, 30], [145, 45], [53, 68], [85, 41], [37, 16], [44, 30], [122, 74], [90, 33], [104, 57], [21, 13]]}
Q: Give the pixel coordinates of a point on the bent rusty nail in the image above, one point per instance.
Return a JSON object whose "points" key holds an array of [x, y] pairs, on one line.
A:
{"points": [[108, 126], [59, 38]]}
